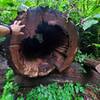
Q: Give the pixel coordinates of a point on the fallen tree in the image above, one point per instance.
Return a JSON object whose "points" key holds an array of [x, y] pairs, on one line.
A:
{"points": [[61, 56], [56, 67]]}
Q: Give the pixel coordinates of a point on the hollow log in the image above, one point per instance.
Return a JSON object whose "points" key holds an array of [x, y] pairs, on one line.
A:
{"points": [[94, 64], [71, 74], [59, 59]]}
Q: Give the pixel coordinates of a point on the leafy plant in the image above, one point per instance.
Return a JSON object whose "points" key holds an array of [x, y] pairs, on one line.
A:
{"points": [[9, 75], [56, 92], [50, 92], [80, 58], [90, 37], [85, 14], [10, 87], [89, 21], [7, 92], [97, 45]]}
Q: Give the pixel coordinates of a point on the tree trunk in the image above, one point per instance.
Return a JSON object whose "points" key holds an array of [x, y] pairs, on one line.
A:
{"points": [[60, 58]]}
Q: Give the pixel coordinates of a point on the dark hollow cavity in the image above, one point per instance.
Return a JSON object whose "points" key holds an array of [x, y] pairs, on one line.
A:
{"points": [[48, 38]]}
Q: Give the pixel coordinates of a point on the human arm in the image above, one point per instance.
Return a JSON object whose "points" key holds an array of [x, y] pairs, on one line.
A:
{"points": [[15, 28], [4, 30]]}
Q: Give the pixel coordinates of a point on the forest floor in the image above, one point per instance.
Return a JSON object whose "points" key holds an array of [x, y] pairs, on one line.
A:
{"points": [[4, 66]]}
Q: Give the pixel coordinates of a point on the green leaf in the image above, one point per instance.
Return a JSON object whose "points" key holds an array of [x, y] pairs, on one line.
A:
{"points": [[89, 23], [2, 39], [97, 45], [97, 16], [9, 97], [20, 98]]}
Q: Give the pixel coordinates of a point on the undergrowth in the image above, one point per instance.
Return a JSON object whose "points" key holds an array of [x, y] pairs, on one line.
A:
{"points": [[69, 91], [53, 91]]}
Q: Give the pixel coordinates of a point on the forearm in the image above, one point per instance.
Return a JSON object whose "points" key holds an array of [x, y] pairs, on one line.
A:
{"points": [[14, 29], [4, 30]]}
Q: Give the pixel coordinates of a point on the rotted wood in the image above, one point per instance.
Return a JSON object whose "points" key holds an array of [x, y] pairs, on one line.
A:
{"points": [[71, 74], [59, 60], [94, 64]]}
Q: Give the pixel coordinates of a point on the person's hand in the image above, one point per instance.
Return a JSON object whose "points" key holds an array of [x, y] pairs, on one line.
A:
{"points": [[16, 28]]}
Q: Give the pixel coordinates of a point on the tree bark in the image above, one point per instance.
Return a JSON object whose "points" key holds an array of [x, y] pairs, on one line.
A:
{"points": [[59, 59], [94, 64], [71, 74]]}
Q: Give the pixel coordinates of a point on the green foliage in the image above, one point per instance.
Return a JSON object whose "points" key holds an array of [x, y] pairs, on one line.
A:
{"points": [[56, 92], [89, 23], [97, 16], [85, 14], [53, 91], [50, 92], [76, 9], [10, 88], [90, 37], [2, 39], [8, 10], [20, 98], [7, 92], [97, 45], [80, 58]]}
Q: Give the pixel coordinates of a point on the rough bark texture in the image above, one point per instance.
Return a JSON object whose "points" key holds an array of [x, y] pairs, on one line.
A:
{"points": [[60, 59], [93, 64], [71, 74]]}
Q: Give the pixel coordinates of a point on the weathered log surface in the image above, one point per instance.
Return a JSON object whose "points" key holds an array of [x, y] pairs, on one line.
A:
{"points": [[60, 59], [72, 74], [94, 64]]}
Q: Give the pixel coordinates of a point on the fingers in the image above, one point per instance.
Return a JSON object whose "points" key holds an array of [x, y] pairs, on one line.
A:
{"points": [[21, 26], [17, 22], [21, 33], [16, 28]]}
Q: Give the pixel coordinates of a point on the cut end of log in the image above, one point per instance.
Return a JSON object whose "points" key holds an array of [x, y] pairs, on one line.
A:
{"points": [[93, 64], [59, 43], [98, 68]]}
